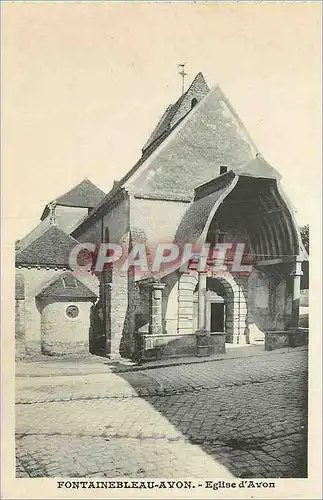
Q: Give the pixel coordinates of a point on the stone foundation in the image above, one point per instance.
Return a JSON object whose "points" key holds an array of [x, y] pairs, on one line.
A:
{"points": [[152, 347], [20, 351], [33, 348], [288, 338], [65, 348]]}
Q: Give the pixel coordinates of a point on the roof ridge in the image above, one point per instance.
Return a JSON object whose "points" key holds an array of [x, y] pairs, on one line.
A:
{"points": [[83, 198], [170, 112]]}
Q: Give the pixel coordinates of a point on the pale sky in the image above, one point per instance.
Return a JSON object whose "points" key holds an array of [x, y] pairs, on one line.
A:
{"points": [[85, 83]]}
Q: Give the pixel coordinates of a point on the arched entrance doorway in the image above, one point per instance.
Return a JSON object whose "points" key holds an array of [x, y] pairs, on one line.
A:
{"points": [[215, 309], [225, 306]]}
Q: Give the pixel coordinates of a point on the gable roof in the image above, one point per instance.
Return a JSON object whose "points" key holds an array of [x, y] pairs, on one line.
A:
{"points": [[52, 248], [187, 154], [209, 136], [84, 195], [174, 112], [66, 285]]}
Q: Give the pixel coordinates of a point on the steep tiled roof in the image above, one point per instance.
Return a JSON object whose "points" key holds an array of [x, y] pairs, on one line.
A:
{"points": [[210, 136], [85, 195], [66, 285], [52, 248], [35, 233], [187, 154]]}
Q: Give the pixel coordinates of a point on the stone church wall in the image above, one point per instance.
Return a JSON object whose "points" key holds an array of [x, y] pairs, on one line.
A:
{"points": [[117, 222], [34, 282], [60, 334], [92, 234], [20, 344], [171, 303], [68, 217], [158, 219], [267, 302], [121, 313]]}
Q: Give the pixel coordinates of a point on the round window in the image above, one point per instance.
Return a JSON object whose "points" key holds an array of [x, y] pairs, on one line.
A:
{"points": [[72, 311]]}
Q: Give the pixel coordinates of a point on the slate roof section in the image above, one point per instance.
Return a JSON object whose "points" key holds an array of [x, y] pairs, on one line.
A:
{"points": [[84, 195], [66, 285], [35, 233], [52, 248], [19, 286]]}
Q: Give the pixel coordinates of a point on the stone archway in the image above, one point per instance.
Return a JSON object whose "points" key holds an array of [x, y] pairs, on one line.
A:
{"points": [[234, 292], [235, 299]]}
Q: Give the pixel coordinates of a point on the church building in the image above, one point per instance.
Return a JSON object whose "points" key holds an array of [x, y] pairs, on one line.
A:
{"points": [[200, 180]]}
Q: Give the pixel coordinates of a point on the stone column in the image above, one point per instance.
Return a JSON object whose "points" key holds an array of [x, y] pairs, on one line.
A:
{"points": [[208, 311], [186, 287], [106, 296], [118, 311], [296, 276], [201, 324], [156, 308], [20, 336]]}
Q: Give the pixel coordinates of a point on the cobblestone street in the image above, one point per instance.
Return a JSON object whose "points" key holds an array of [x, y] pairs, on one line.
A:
{"points": [[244, 417]]}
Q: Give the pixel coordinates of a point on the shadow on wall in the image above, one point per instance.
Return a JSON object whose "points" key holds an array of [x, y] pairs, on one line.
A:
{"points": [[97, 338]]}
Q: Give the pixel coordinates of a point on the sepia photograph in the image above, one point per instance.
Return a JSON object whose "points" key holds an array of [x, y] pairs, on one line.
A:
{"points": [[161, 169]]}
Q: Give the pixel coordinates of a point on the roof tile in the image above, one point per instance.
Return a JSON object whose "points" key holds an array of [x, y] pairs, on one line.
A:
{"points": [[52, 248]]}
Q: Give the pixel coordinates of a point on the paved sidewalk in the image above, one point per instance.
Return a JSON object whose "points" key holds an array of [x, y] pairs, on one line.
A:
{"points": [[94, 364], [244, 417]]}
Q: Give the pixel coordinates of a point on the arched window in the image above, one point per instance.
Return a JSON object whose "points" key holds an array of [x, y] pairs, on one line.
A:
{"points": [[194, 102]]}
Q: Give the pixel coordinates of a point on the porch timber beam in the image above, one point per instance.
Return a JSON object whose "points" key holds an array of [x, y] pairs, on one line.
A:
{"points": [[264, 213], [271, 262]]}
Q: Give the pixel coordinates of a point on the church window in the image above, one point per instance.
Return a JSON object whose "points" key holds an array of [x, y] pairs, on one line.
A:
{"points": [[72, 311], [69, 282]]}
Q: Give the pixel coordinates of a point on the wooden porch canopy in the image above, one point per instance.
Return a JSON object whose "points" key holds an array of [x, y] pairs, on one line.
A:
{"points": [[250, 196]]}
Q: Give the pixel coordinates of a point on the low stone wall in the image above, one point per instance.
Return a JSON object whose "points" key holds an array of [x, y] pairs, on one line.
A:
{"points": [[295, 337], [152, 347]]}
